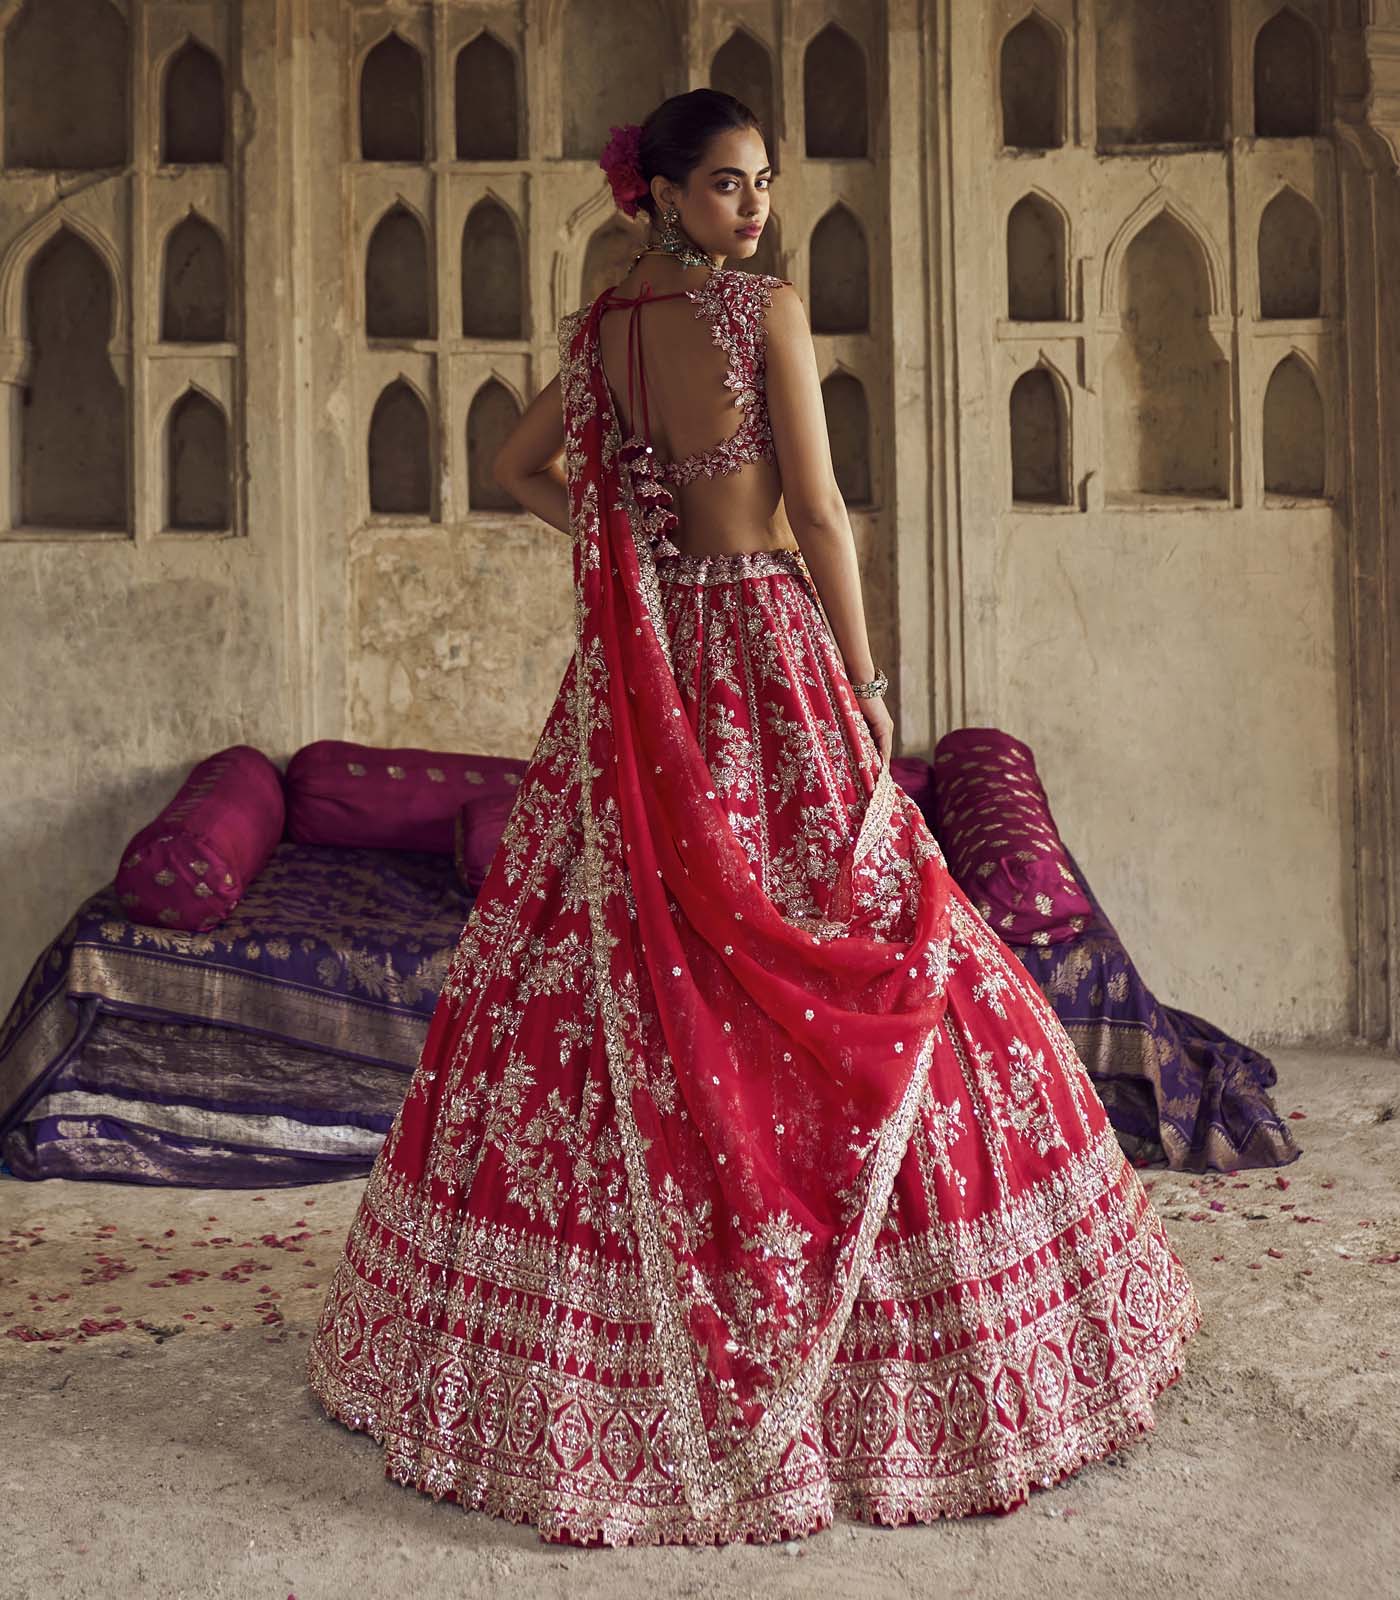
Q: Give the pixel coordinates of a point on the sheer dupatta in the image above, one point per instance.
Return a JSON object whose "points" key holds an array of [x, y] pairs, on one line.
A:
{"points": [[761, 1144]]}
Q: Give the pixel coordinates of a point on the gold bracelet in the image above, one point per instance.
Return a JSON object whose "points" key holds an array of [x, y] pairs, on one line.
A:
{"points": [[872, 690]]}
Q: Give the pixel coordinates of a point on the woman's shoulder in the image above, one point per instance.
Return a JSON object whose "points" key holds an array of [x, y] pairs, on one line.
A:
{"points": [[748, 296]]}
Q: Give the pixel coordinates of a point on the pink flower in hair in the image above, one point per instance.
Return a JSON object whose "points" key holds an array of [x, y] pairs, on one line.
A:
{"points": [[621, 160]]}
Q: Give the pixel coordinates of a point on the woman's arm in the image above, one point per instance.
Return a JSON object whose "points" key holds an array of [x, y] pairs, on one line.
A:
{"points": [[525, 467], [815, 509]]}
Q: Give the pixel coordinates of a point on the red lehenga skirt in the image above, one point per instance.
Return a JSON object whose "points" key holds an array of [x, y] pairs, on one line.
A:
{"points": [[489, 1322]]}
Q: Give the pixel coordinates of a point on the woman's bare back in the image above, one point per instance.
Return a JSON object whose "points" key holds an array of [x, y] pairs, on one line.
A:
{"points": [[705, 412]]}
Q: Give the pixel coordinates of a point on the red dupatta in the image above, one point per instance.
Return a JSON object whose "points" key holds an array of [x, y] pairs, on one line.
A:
{"points": [[761, 1148]]}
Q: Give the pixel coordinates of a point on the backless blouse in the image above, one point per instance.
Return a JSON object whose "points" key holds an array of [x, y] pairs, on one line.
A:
{"points": [[734, 304]]}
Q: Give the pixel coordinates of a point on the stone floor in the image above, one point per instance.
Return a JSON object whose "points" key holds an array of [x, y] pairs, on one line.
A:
{"points": [[160, 1440]]}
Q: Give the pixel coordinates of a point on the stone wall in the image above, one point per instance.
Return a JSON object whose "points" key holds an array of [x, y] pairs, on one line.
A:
{"points": [[1084, 285]]}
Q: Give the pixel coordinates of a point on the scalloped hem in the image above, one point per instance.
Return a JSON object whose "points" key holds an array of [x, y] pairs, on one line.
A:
{"points": [[791, 1513]]}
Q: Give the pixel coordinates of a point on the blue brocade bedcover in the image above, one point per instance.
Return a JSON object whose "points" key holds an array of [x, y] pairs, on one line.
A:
{"points": [[277, 1048], [274, 1049]]}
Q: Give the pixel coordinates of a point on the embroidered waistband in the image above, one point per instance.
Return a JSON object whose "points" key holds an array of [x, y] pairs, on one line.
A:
{"points": [[730, 567]]}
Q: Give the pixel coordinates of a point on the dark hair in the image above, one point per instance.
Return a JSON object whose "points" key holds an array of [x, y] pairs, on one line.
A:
{"points": [[675, 135]]}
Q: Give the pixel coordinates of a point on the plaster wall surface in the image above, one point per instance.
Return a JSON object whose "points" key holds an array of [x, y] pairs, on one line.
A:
{"points": [[1180, 685], [1187, 674]]}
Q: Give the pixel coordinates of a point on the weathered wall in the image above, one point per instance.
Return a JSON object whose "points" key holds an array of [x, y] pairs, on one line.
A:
{"points": [[125, 656], [1171, 630]]}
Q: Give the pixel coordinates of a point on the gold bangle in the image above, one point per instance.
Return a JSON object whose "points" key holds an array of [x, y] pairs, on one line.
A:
{"points": [[872, 690]]}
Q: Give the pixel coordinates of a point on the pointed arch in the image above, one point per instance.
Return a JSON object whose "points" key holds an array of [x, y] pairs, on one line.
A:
{"points": [[1037, 259], [840, 273], [1287, 78], [1039, 420], [1290, 257], [743, 67], [72, 469], [197, 492], [835, 98], [400, 452], [493, 272], [193, 108], [393, 101], [1159, 202], [1294, 430], [1166, 390], [848, 429], [1031, 84], [194, 283], [14, 270], [398, 282], [493, 412], [486, 100]]}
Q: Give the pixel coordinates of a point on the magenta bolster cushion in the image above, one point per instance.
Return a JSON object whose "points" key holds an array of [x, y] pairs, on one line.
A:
{"points": [[993, 822], [190, 867], [915, 776], [478, 827], [389, 799]]}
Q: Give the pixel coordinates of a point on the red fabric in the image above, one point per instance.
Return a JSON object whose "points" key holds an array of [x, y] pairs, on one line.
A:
{"points": [[480, 823], [389, 799], [191, 866], [993, 820], [723, 1054]]}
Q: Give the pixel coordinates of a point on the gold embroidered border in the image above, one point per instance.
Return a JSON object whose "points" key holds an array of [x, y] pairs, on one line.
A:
{"points": [[47, 1035]]}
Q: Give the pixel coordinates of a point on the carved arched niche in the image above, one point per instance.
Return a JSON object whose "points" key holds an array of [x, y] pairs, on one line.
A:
{"points": [[73, 434], [487, 101], [1161, 75], [194, 284], [1039, 440], [1295, 433], [193, 111], [1290, 257], [848, 429], [493, 275], [490, 418], [1166, 391], [617, 57], [398, 292], [197, 466], [840, 274], [1287, 78], [393, 102], [768, 257], [1036, 253], [1033, 86], [67, 70], [608, 256], [742, 67], [835, 104], [400, 453]]}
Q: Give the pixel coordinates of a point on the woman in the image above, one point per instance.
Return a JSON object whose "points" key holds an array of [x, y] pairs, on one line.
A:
{"points": [[745, 1177]]}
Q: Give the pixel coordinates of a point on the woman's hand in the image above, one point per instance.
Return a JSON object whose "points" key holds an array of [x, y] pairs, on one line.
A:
{"points": [[880, 723]]}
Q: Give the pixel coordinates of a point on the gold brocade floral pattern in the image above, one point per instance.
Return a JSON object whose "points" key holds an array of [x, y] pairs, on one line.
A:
{"points": [[745, 1177]]}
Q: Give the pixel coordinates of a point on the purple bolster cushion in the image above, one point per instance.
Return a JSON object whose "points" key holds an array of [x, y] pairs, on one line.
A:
{"points": [[190, 867], [994, 824], [402, 799]]}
